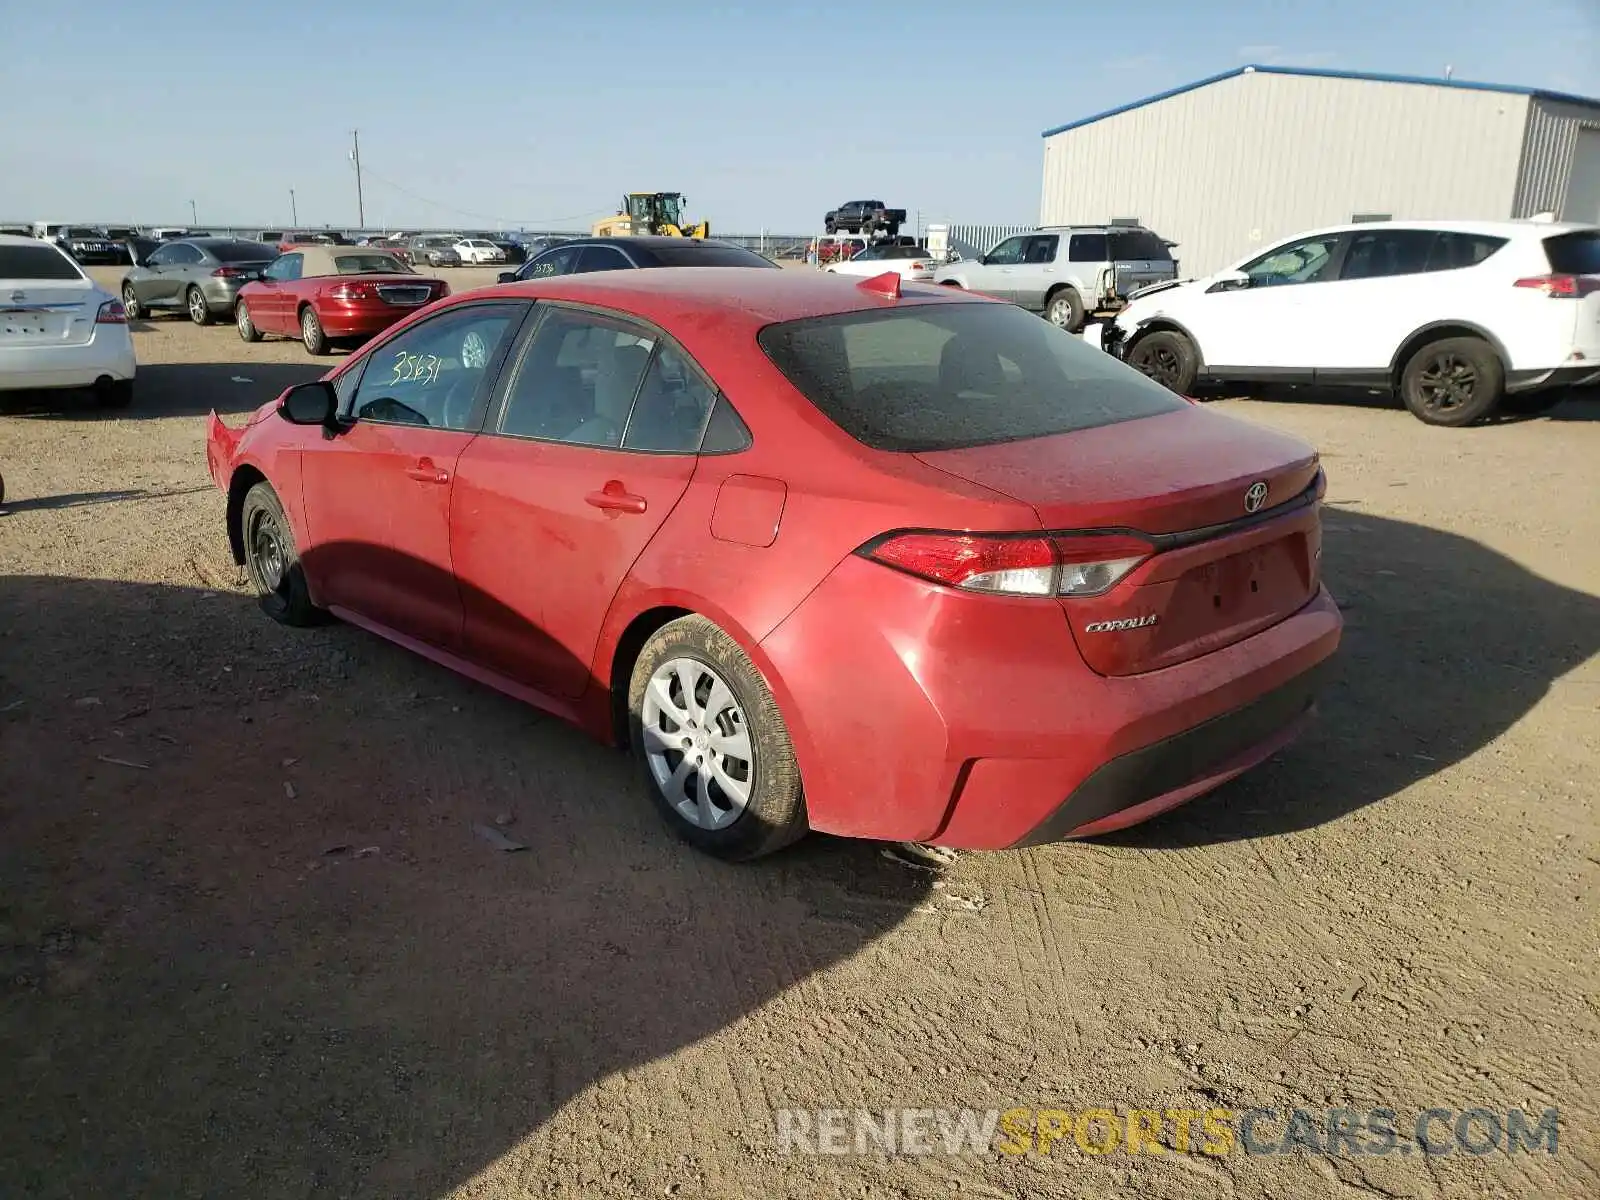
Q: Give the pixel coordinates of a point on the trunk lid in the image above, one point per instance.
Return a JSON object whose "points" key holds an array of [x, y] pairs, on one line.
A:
{"points": [[1226, 561], [47, 313]]}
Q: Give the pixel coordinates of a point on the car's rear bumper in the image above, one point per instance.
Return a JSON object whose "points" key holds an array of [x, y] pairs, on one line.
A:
{"points": [[341, 320], [107, 355], [973, 722], [1577, 375]]}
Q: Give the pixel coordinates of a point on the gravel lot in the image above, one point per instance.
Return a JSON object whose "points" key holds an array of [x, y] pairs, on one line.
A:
{"points": [[250, 945]]}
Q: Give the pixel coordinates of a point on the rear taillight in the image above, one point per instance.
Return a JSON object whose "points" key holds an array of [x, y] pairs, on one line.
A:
{"points": [[1562, 287], [351, 291], [229, 273], [111, 313], [1027, 565], [919, 266]]}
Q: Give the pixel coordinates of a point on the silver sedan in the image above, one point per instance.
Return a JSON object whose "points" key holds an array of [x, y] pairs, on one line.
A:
{"points": [[201, 276]]}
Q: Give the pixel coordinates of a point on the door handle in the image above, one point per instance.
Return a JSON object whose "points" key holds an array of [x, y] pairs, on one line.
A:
{"points": [[614, 497], [426, 472]]}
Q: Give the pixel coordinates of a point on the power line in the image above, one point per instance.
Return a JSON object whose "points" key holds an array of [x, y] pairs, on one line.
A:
{"points": [[467, 212]]}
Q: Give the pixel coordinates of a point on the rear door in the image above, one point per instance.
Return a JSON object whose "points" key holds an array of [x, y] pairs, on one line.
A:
{"points": [[1391, 282], [45, 298], [378, 495], [594, 443]]}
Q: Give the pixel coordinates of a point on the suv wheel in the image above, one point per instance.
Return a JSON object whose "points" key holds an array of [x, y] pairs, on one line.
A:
{"points": [[1168, 357], [1453, 382], [1065, 309]]}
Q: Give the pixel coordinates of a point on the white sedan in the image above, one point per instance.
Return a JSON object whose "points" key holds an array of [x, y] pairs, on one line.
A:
{"points": [[477, 252], [58, 328], [913, 263]]}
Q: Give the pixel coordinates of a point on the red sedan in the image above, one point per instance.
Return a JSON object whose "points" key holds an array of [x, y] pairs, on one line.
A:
{"points": [[888, 562], [321, 294]]}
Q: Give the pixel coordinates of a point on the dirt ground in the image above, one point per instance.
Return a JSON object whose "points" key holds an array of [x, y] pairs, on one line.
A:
{"points": [[250, 945]]}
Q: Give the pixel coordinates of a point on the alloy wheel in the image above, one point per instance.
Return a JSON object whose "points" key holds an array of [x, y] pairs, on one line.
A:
{"points": [[241, 314], [697, 743], [1447, 382], [197, 306], [1161, 364]]}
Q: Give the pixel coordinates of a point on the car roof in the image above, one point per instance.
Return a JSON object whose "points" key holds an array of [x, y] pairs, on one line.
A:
{"points": [[14, 239], [225, 241], [1505, 229], [650, 241], [320, 260], [749, 297]]}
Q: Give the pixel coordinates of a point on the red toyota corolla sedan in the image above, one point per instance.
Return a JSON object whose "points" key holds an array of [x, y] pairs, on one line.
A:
{"points": [[883, 560], [322, 294]]}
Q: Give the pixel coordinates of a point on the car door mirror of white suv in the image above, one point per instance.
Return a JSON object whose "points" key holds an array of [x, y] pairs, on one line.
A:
{"points": [[1229, 281]]}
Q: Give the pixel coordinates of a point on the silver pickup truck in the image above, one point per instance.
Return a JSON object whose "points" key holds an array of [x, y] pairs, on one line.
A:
{"points": [[1067, 272]]}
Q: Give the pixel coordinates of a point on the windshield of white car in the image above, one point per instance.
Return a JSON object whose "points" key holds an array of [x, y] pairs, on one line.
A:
{"points": [[926, 377], [1574, 253], [36, 262]]}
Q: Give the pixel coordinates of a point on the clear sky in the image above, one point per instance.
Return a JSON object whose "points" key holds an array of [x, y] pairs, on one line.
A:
{"points": [[543, 113]]}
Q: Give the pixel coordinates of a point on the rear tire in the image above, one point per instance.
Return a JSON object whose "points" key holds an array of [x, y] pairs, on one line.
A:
{"points": [[199, 311], [1453, 382], [700, 713], [311, 332], [1169, 358], [272, 560], [244, 322], [1064, 309]]}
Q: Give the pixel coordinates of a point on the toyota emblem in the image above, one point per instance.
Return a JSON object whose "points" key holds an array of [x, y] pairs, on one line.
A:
{"points": [[1255, 496]]}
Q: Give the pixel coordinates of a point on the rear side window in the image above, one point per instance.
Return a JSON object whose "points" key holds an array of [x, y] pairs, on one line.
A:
{"points": [[691, 255], [1041, 249], [1453, 251], [1088, 247], [1574, 253], [36, 262], [1388, 252], [1138, 243], [232, 252], [947, 376]]}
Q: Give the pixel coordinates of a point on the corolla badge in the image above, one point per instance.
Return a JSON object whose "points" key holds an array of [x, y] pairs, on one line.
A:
{"points": [[1121, 623], [1255, 496]]}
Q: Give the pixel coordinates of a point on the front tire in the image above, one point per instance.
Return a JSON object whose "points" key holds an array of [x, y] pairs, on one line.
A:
{"points": [[1065, 310], [199, 310], [311, 332], [272, 560], [131, 305], [244, 322], [714, 749], [1169, 358], [1453, 382]]}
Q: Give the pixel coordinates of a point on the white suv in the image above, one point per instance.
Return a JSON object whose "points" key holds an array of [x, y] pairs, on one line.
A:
{"points": [[1460, 318]]}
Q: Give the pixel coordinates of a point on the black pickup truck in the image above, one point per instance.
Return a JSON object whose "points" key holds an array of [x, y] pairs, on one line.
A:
{"points": [[864, 216]]}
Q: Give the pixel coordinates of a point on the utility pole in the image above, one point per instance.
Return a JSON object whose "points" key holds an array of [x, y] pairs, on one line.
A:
{"points": [[194, 217], [294, 212], [355, 157]]}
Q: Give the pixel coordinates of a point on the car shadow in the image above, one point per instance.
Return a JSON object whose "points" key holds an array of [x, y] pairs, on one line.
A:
{"points": [[256, 938], [175, 390], [1447, 644], [85, 499], [1579, 405]]}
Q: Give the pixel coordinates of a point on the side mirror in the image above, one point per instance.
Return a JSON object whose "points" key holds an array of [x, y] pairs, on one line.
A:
{"points": [[1229, 281], [311, 403], [507, 277]]}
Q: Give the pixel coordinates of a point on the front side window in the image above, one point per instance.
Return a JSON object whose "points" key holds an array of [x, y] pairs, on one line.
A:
{"points": [[184, 255], [1387, 252], [946, 376], [285, 268], [166, 256], [1088, 248], [559, 261], [1007, 253], [434, 373], [577, 379], [1309, 260]]}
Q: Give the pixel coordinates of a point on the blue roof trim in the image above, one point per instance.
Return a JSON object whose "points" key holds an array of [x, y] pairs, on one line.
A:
{"points": [[1321, 73]]}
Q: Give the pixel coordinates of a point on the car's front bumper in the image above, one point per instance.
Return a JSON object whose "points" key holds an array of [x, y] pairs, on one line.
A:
{"points": [[108, 354], [965, 720]]}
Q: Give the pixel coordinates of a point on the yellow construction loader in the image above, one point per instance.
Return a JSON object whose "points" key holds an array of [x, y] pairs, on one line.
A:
{"points": [[650, 212]]}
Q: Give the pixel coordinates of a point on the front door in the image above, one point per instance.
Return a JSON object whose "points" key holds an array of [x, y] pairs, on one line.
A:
{"points": [[996, 272], [1261, 326], [378, 495], [595, 443], [272, 304]]}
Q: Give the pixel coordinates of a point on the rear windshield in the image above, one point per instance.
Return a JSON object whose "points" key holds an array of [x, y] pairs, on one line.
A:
{"points": [[947, 376], [36, 262], [690, 255], [1574, 253], [1138, 243], [232, 252], [370, 264]]}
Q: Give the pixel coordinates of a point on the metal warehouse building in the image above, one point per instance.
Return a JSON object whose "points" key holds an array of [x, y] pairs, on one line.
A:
{"points": [[1234, 162]]}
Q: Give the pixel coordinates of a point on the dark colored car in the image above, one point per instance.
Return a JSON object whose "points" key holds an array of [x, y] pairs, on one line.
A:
{"points": [[787, 533], [321, 294], [515, 251], [200, 275], [864, 216], [89, 245], [582, 255], [433, 250]]}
